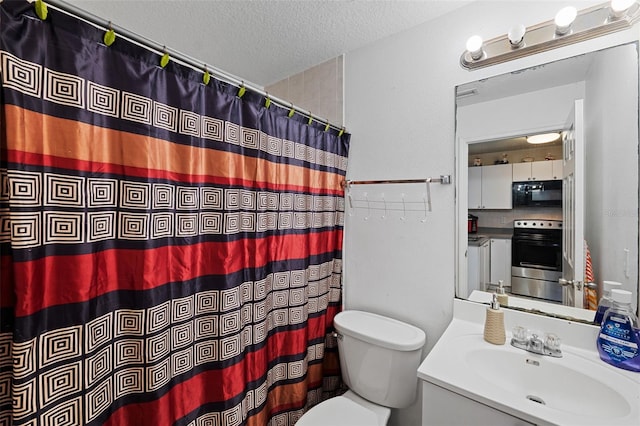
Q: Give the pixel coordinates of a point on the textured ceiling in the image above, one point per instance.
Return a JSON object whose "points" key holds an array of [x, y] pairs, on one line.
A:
{"points": [[264, 41]]}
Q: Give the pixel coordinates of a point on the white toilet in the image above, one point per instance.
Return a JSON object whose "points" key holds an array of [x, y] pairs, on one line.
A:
{"points": [[379, 359]]}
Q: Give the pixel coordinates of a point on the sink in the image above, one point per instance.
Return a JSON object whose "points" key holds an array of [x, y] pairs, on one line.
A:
{"points": [[557, 384], [577, 389]]}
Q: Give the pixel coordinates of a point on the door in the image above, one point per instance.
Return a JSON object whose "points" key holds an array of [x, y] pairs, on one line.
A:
{"points": [[573, 208]]}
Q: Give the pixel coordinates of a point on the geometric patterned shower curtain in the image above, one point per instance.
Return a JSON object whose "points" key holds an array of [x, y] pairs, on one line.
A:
{"points": [[171, 251]]}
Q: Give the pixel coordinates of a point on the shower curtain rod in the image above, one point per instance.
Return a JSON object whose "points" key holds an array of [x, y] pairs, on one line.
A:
{"points": [[180, 57]]}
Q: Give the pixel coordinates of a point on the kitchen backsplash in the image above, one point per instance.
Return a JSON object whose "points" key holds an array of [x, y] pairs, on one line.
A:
{"points": [[505, 218]]}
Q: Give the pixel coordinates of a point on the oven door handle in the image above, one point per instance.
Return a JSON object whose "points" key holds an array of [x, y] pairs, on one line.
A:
{"points": [[535, 266]]}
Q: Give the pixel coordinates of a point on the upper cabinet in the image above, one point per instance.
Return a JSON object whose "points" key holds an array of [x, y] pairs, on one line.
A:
{"points": [[490, 187], [537, 170]]}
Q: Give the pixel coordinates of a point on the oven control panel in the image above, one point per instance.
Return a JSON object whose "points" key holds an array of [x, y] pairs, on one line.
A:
{"points": [[537, 224]]}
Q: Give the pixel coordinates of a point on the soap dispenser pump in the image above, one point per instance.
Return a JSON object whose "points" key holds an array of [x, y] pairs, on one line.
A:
{"points": [[503, 299], [494, 323]]}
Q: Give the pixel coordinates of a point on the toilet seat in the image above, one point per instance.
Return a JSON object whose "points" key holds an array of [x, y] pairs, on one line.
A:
{"points": [[346, 410]]}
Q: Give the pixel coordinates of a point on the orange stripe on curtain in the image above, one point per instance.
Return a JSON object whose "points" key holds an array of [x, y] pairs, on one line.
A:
{"points": [[81, 141]]}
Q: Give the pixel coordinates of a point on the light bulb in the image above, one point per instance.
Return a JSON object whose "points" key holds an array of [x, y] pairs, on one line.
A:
{"points": [[564, 19], [516, 35], [474, 47], [620, 7]]}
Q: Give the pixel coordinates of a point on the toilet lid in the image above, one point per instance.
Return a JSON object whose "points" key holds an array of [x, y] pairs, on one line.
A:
{"points": [[338, 411]]}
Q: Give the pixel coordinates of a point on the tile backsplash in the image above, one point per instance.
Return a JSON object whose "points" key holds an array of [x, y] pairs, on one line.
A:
{"points": [[505, 218]]}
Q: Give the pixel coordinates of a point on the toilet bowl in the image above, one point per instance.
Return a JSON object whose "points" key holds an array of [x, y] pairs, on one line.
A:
{"points": [[347, 409], [379, 357]]}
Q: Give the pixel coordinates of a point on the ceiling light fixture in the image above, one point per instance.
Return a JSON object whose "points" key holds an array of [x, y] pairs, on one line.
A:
{"points": [[543, 138], [569, 26], [564, 19], [474, 47]]}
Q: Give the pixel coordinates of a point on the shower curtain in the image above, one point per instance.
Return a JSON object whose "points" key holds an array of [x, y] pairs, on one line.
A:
{"points": [[171, 249]]}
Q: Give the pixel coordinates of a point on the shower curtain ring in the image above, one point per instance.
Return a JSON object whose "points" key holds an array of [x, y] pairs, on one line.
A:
{"points": [[404, 209], [384, 215]]}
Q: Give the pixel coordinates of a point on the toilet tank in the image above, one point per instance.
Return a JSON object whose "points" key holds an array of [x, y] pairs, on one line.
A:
{"points": [[379, 357]]}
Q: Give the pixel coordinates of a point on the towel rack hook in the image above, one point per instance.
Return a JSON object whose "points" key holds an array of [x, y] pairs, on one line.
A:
{"points": [[366, 197]]}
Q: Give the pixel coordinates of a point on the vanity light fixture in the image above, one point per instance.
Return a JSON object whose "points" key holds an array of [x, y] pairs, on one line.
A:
{"points": [[620, 7], [569, 26], [474, 47], [543, 138], [564, 18]]}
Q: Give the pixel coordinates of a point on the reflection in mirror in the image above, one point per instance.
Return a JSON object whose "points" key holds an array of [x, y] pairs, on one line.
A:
{"points": [[542, 219]]}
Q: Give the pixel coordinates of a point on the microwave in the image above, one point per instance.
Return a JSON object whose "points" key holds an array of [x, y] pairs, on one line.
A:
{"points": [[545, 193]]}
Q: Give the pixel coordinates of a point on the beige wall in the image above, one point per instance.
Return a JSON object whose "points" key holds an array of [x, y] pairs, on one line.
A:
{"points": [[318, 90], [517, 156]]}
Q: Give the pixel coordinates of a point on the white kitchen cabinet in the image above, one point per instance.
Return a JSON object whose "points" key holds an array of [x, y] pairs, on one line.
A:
{"points": [[475, 188], [500, 261], [490, 187], [557, 169], [478, 266], [537, 170]]}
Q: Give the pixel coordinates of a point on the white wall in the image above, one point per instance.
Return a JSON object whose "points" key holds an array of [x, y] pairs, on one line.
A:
{"points": [[527, 113], [400, 110], [611, 222]]}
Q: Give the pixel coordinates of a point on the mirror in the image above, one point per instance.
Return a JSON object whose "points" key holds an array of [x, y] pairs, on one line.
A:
{"points": [[592, 101]]}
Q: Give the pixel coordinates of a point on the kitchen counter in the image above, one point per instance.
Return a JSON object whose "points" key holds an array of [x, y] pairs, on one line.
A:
{"points": [[484, 234]]}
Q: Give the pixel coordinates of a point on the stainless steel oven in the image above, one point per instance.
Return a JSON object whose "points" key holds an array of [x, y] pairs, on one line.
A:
{"points": [[536, 259]]}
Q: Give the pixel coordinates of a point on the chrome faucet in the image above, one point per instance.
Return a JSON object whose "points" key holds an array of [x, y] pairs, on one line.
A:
{"points": [[534, 344]]}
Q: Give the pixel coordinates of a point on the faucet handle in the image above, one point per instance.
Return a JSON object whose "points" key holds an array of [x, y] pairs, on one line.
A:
{"points": [[519, 334], [552, 342]]}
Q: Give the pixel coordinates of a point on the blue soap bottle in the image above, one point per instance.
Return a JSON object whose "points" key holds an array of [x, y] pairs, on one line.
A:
{"points": [[619, 337], [605, 301]]}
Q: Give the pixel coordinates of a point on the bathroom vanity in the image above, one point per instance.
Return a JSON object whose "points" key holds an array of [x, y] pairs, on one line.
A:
{"points": [[467, 380]]}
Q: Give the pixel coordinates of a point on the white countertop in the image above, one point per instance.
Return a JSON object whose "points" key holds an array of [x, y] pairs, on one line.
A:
{"points": [[447, 367]]}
